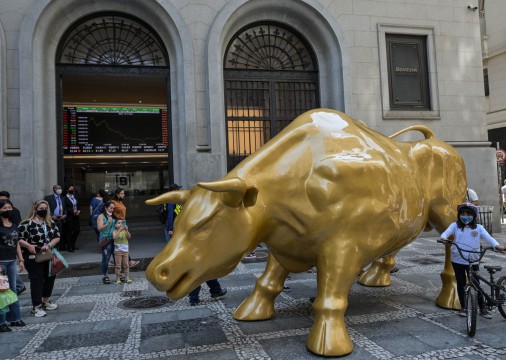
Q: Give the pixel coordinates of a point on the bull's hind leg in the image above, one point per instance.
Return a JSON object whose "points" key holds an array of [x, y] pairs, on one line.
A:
{"points": [[260, 304], [378, 273], [335, 277]]}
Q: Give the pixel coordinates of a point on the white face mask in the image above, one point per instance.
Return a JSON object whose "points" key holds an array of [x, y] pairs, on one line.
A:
{"points": [[109, 213], [58, 192]]}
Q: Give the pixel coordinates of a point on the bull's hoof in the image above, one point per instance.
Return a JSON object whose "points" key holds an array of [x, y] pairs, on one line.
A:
{"points": [[254, 307], [329, 338], [375, 277], [448, 297]]}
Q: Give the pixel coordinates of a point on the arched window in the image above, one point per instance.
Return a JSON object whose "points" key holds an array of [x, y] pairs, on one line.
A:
{"points": [[112, 39], [271, 77]]}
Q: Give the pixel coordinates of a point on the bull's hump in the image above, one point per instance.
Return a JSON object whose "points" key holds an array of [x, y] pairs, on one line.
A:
{"points": [[330, 122]]}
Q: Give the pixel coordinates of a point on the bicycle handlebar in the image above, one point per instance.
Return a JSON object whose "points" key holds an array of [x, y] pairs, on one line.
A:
{"points": [[467, 258]]}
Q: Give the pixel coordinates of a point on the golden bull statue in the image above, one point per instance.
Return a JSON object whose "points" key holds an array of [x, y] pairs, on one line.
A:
{"points": [[327, 192]]}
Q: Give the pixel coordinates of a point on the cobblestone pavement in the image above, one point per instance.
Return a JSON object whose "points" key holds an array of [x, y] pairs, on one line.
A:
{"points": [[396, 322]]}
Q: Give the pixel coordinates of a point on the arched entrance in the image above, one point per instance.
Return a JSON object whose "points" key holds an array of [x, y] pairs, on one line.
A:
{"points": [[271, 77], [114, 123]]}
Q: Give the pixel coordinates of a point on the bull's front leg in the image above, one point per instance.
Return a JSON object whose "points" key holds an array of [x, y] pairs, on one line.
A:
{"points": [[260, 304], [335, 277], [448, 298], [378, 273]]}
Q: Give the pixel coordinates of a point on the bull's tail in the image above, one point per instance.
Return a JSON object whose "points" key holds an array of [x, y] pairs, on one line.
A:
{"points": [[428, 133]]}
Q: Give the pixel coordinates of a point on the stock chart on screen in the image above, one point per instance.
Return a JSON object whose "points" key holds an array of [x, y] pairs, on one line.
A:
{"points": [[89, 130]]}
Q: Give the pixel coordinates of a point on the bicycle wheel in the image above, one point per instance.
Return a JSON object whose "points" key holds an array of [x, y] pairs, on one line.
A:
{"points": [[501, 294], [472, 310]]}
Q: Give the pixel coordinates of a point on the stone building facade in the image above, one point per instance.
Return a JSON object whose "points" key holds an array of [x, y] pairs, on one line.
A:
{"points": [[353, 46]]}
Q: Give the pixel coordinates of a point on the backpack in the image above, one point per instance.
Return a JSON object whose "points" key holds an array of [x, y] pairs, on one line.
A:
{"points": [[96, 212], [161, 211]]}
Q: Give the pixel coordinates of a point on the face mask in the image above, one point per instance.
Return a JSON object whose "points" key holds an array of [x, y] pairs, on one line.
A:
{"points": [[109, 213], [42, 213], [466, 219], [70, 192], [6, 214]]}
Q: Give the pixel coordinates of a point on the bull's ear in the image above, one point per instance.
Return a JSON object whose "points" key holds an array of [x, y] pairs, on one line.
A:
{"points": [[175, 197], [234, 191]]}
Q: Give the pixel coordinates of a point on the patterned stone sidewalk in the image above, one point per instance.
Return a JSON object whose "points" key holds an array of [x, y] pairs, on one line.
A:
{"points": [[397, 322]]}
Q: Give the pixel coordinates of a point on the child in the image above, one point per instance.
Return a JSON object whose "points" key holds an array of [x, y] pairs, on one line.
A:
{"points": [[121, 235], [467, 235]]}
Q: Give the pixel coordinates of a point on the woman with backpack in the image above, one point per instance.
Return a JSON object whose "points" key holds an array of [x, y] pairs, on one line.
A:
{"points": [[96, 208]]}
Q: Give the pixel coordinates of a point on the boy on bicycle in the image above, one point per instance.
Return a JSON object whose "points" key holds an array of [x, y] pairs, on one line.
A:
{"points": [[467, 234]]}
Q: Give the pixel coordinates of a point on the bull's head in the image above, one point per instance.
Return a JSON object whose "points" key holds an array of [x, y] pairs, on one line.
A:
{"points": [[444, 177], [212, 234]]}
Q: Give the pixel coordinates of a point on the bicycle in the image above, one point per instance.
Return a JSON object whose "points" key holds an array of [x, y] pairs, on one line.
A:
{"points": [[497, 297]]}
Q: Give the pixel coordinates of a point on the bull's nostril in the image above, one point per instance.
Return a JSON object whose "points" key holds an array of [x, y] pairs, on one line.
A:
{"points": [[163, 274]]}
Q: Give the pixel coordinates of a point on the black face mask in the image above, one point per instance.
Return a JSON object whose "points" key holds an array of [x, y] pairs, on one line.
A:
{"points": [[42, 213], [6, 214]]}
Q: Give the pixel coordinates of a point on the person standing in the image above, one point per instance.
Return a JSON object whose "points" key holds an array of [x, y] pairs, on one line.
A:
{"points": [[120, 213], [214, 288], [72, 224], [472, 197], [467, 235], [15, 218], [171, 210], [57, 212], [503, 193], [121, 235], [9, 251], [16, 215], [39, 233], [99, 199], [105, 224]]}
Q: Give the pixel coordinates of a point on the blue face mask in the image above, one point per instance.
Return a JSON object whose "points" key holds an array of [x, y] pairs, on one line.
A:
{"points": [[466, 219]]}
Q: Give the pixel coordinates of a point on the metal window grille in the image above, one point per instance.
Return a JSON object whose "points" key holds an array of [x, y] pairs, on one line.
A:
{"points": [[270, 79], [112, 39]]}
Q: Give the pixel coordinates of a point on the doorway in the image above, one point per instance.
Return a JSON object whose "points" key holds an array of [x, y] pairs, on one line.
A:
{"points": [[114, 119]]}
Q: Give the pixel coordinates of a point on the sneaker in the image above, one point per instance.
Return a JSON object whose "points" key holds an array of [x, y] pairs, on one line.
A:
{"points": [[194, 302], [38, 311], [4, 328], [18, 323], [462, 312], [251, 255], [20, 291], [219, 295], [133, 263], [129, 281], [48, 305], [118, 282], [485, 314]]}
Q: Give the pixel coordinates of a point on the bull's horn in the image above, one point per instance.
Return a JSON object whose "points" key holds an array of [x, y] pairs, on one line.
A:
{"points": [[175, 197], [233, 190], [428, 133]]}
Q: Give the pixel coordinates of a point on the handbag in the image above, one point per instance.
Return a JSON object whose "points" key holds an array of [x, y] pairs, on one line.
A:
{"points": [[7, 298], [42, 256], [105, 240], [58, 263]]}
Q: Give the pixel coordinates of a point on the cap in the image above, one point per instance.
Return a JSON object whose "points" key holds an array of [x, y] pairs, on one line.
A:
{"points": [[174, 187]]}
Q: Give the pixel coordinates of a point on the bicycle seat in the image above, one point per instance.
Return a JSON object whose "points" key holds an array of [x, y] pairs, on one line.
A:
{"points": [[492, 269]]}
